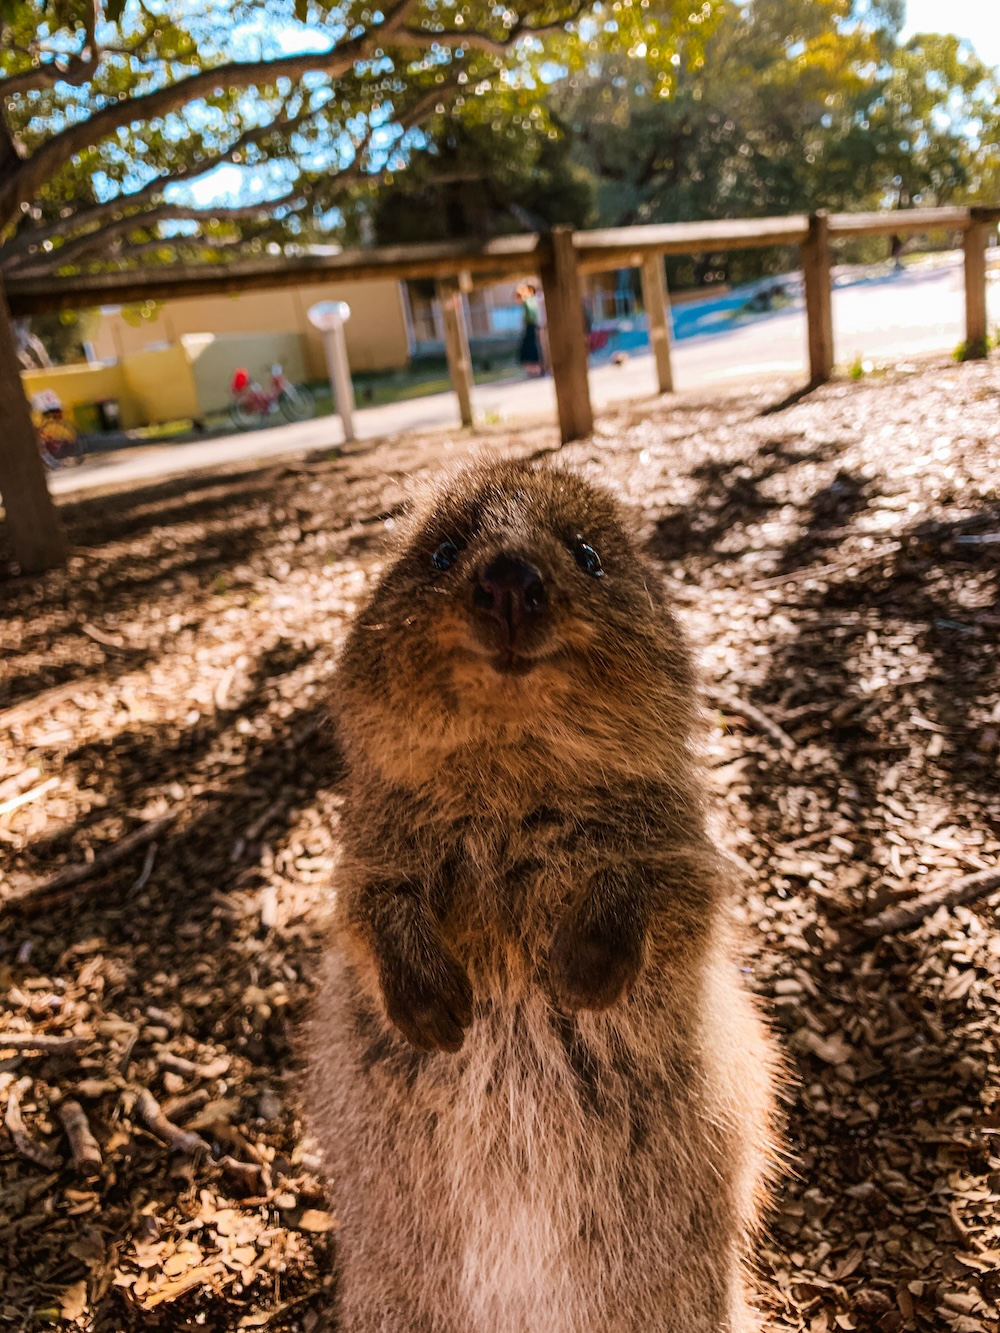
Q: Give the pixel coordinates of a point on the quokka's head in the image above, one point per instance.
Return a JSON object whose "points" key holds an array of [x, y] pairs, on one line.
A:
{"points": [[520, 591]]}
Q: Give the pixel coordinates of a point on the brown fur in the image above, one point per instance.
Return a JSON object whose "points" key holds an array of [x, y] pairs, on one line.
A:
{"points": [[543, 1095]]}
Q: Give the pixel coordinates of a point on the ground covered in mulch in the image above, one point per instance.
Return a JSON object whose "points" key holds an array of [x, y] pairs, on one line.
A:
{"points": [[168, 827]]}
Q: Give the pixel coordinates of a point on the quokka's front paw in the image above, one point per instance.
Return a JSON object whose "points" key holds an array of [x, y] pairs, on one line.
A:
{"points": [[429, 1000], [590, 966]]}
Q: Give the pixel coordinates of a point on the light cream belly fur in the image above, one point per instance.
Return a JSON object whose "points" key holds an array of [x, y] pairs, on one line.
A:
{"points": [[516, 1172]]}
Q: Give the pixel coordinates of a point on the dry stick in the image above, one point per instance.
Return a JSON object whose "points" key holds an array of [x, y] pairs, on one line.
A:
{"points": [[85, 1148], [176, 1139], [23, 1142], [113, 641], [737, 705], [821, 571], [28, 1042], [253, 831], [177, 1064], [162, 1016], [250, 1174], [181, 1108], [64, 879], [26, 797], [147, 869], [41, 703], [966, 890]]}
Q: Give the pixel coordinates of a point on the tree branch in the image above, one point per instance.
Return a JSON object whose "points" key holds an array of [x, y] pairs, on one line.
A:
{"points": [[475, 39], [26, 243], [73, 67], [25, 182], [23, 257], [95, 240], [125, 254]]}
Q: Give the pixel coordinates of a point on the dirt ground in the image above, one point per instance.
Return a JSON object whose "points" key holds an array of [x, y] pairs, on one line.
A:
{"points": [[168, 828]]}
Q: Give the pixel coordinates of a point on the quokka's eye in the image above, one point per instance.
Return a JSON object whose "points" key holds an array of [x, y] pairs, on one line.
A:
{"points": [[588, 559], [445, 556]]}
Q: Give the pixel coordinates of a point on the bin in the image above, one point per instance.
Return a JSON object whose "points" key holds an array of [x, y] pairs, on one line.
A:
{"points": [[111, 415]]}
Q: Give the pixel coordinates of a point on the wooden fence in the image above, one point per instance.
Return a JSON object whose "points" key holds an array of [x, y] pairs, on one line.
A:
{"points": [[560, 257]]}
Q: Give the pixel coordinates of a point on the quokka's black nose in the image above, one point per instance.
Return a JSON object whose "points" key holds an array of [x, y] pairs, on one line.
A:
{"points": [[510, 590]]}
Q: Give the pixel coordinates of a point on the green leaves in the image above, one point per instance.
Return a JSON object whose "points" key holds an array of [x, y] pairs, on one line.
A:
{"points": [[623, 110]]}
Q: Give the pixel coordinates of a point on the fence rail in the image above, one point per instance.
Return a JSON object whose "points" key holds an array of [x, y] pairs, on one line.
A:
{"points": [[561, 258]]}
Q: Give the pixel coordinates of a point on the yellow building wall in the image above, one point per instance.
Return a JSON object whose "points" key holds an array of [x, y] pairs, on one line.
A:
{"points": [[149, 386], [376, 332], [86, 384], [162, 384]]}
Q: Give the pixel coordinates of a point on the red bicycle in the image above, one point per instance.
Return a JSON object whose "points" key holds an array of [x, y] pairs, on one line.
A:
{"points": [[251, 404]]}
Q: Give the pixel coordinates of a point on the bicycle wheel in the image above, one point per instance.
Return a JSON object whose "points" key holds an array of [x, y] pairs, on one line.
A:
{"points": [[296, 402], [245, 411]]}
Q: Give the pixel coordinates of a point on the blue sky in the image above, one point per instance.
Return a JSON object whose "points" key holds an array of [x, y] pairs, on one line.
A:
{"points": [[976, 20]]}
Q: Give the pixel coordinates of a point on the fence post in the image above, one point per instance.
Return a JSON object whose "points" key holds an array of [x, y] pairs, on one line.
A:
{"points": [[567, 336], [656, 299], [456, 345], [36, 535], [974, 244], [819, 297]]}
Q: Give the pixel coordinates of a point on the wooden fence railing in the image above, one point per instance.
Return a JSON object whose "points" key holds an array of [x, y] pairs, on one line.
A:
{"points": [[560, 257]]}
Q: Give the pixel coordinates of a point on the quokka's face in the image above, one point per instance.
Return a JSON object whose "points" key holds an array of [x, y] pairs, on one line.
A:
{"points": [[519, 576]]}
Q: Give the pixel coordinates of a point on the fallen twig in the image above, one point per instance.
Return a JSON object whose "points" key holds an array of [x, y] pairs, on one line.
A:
{"points": [[40, 1043], [85, 1148], [113, 641], [250, 1174], [165, 1017], [22, 1140], [104, 860], [858, 562], [28, 709], [147, 869], [727, 699], [177, 1064], [221, 694], [253, 831], [26, 797], [965, 890], [180, 1108], [177, 1139]]}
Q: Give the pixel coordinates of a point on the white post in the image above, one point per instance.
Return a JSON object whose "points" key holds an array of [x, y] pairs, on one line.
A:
{"points": [[330, 317]]}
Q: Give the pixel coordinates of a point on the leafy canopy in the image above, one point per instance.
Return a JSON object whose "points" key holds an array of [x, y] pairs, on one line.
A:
{"points": [[113, 113]]}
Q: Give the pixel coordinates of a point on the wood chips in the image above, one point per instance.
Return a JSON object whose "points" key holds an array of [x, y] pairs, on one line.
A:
{"points": [[163, 887]]}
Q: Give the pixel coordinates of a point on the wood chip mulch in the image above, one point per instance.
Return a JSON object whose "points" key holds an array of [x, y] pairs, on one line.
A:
{"points": [[168, 832]]}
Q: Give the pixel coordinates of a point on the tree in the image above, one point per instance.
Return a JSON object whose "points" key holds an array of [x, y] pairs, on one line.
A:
{"points": [[928, 132], [796, 105], [112, 113], [483, 177]]}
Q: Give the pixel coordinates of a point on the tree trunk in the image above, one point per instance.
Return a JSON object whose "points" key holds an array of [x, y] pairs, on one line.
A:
{"points": [[36, 536]]}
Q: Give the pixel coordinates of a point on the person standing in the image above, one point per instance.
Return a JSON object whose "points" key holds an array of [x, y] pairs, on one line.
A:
{"points": [[530, 351]]}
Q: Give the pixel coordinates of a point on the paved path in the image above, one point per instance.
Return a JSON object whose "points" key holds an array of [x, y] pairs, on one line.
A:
{"points": [[876, 316]]}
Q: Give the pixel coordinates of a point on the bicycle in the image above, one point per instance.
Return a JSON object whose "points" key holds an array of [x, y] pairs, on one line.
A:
{"points": [[251, 404]]}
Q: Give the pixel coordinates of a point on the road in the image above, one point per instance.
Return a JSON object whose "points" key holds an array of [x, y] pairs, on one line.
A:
{"points": [[877, 316]]}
